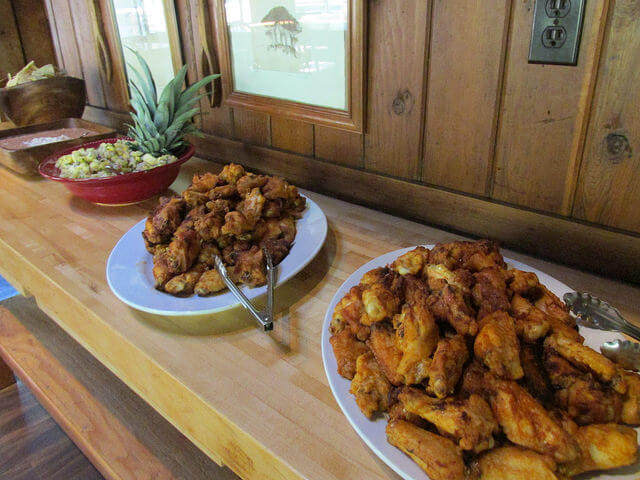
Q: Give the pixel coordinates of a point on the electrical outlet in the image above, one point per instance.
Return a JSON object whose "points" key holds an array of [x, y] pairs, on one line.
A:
{"points": [[555, 36]]}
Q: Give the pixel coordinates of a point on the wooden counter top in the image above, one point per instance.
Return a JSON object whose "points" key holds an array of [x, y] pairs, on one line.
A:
{"points": [[257, 402]]}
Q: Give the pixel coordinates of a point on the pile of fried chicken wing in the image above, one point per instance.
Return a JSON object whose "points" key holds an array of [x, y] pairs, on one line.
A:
{"points": [[236, 215], [480, 370]]}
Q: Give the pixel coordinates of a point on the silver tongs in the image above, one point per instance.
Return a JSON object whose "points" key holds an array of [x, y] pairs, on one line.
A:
{"points": [[264, 317], [595, 313]]}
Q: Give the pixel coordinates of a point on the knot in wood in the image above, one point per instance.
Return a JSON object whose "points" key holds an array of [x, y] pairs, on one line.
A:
{"points": [[403, 103], [618, 147]]}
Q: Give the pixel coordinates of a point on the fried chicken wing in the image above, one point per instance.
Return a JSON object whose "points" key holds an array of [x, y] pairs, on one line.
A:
{"points": [[436, 455], [219, 207], [204, 182], [416, 337], [236, 224], [222, 192], [489, 291], [208, 226], [526, 423], [497, 346], [184, 248], [412, 262], [250, 181], [347, 348], [164, 220], [531, 324], [522, 283], [439, 276], [194, 198], [631, 404], [231, 173], [473, 256], [250, 268], [449, 305], [374, 276], [382, 342], [603, 446], [161, 270], [534, 378], [516, 463], [584, 399], [277, 187], [446, 368], [379, 304], [553, 306], [370, 386], [348, 312], [185, 283], [210, 282], [252, 206], [587, 359], [470, 422]]}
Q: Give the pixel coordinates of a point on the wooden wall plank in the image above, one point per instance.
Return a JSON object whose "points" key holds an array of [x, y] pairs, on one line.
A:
{"points": [[251, 127], [6, 375], [463, 92], [542, 115], [34, 31], [11, 57], [339, 146], [609, 183], [292, 135], [543, 235], [397, 32], [82, 28], [67, 48]]}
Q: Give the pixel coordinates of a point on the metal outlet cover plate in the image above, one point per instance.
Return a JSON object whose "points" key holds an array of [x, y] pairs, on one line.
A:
{"points": [[555, 37]]}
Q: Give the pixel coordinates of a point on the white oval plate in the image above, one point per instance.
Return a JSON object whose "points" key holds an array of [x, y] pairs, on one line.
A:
{"points": [[130, 276], [373, 431]]}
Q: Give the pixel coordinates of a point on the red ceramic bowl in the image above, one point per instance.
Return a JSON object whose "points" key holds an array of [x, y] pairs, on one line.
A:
{"points": [[119, 189]]}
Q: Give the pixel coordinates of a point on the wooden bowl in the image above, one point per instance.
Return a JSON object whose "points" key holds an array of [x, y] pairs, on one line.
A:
{"points": [[44, 100]]}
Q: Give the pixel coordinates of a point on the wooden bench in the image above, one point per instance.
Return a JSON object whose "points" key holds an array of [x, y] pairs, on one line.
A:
{"points": [[118, 432]]}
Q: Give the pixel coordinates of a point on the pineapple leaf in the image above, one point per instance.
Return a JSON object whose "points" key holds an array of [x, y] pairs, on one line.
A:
{"points": [[193, 89], [145, 82]]}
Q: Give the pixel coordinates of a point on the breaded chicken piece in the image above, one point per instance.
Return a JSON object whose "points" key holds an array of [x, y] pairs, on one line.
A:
{"points": [[587, 359], [474, 256], [497, 346], [526, 423], [489, 291], [522, 283], [584, 399], [603, 446], [412, 262], [161, 270], [449, 305], [631, 404], [237, 225], [185, 283], [374, 276], [250, 268], [348, 312], [184, 248], [470, 422], [382, 342], [416, 337], [210, 282], [208, 253], [204, 182], [277, 187], [516, 463], [439, 276], [534, 378], [194, 198], [550, 304], [252, 205], [446, 367], [414, 289], [476, 379], [560, 328], [221, 192], [439, 457], [164, 220], [380, 304], [347, 348], [231, 173], [398, 412], [370, 386], [531, 324], [250, 181], [208, 226]]}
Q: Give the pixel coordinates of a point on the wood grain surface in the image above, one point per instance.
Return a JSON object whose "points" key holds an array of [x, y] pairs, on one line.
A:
{"points": [[31, 18], [339, 146], [6, 375], [609, 183], [292, 135], [32, 445], [398, 32], [259, 403], [543, 115], [252, 127], [117, 430], [464, 92]]}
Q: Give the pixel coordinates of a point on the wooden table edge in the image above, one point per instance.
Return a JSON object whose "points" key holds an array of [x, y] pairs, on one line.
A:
{"points": [[217, 436]]}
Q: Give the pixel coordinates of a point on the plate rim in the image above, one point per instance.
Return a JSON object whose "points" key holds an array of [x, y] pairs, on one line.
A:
{"points": [[229, 306], [326, 348]]}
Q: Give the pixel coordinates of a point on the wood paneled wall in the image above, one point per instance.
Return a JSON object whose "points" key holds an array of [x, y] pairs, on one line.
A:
{"points": [[476, 124], [24, 35]]}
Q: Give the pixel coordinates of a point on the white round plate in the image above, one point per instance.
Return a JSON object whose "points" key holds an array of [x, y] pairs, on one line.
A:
{"points": [[130, 276], [373, 431]]}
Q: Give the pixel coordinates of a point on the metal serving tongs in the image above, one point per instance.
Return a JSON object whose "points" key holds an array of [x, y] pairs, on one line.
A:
{"points": [[264, 317], [595, 313]]}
